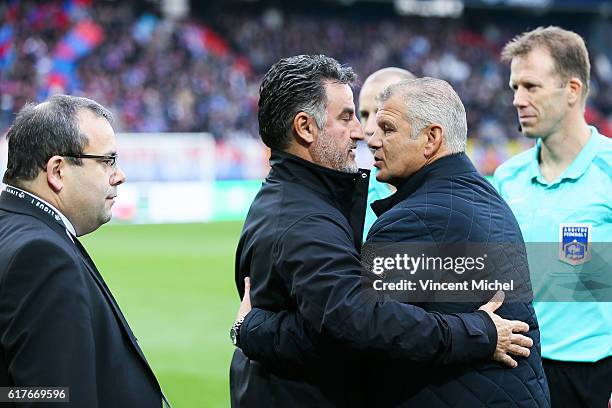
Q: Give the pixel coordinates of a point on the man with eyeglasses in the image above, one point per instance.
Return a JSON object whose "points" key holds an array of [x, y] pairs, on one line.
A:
{"points": [[60, 326]]}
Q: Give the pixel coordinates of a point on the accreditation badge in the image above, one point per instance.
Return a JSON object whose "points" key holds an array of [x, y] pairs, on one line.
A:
{"points": [[575, 243]]}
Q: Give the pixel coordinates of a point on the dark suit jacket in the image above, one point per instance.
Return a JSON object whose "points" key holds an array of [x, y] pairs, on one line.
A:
{"points": [[59, 323]]}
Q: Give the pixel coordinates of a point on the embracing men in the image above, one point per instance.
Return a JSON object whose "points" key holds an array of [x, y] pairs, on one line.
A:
{"points": [[317, 336]]}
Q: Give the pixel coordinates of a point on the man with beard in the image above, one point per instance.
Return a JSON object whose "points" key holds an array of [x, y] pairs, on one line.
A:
{"points": [[300, 246], [561, 191]]}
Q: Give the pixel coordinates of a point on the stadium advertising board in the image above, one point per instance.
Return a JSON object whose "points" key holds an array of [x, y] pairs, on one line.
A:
{"points": [[187, 177], [167, 157], [170, 177], [192, 178]]}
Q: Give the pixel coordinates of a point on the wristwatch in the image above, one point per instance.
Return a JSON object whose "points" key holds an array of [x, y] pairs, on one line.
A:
{"points": [[235, 332]]}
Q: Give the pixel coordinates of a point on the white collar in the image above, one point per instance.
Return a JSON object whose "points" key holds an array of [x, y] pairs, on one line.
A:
{"points": [[69, 227]]}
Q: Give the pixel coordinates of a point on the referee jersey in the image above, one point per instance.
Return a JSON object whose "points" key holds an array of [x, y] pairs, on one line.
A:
{"points": [[574, 209], [376, 191]]}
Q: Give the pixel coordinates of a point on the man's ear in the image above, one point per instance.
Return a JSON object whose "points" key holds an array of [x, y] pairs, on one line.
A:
{"points": [[435, 138], [54, 170], [304, 128], [575, 87]]}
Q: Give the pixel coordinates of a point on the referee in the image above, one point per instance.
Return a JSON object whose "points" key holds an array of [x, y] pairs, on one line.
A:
{"points": [[560, 192]]}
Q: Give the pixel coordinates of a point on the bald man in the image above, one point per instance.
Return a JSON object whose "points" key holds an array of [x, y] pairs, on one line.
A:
{"points": [[368, 106], [370, 92]]}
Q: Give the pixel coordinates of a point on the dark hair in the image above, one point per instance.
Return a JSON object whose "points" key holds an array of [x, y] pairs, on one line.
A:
{"points": [[292, 85], [44, 130]]}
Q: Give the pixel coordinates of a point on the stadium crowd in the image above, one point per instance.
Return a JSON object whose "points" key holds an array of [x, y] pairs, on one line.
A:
{"points": [[183, 76]]}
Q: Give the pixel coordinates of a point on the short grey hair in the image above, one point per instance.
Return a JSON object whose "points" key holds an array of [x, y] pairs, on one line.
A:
{"points": [[317, 109], [430, 100]]}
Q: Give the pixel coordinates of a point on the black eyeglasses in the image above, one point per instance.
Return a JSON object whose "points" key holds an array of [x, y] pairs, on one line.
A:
{"points": [[110, 160]]}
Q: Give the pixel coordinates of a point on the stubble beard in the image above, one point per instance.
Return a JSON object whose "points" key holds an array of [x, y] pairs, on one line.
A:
{"points": [[326, 154]]}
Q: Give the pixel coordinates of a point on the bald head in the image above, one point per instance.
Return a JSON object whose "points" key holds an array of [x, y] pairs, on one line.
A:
{"points": [[370, 91], [389, 75]]}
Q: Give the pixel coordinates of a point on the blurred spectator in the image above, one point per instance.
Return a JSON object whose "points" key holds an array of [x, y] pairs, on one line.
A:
{"points": [[181, 76]]}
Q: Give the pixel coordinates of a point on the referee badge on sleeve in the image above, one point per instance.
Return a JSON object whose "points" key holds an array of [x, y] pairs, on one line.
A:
{"points": [[575, 243]]}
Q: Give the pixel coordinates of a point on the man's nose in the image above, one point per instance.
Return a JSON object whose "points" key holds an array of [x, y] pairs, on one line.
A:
{"points": [[375, 141], [370, 126], [357, 131], [118, 177], [520, 98]]}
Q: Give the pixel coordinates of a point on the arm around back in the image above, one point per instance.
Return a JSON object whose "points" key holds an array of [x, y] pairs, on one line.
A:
{"points": [[321, 269]]}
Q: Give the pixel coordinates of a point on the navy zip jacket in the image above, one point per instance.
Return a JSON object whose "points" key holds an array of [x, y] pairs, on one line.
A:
{"points": [[314, 324], [449, 202]]}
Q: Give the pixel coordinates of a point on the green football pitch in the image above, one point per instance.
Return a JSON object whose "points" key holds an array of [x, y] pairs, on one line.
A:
{"points": [[175, 284]]}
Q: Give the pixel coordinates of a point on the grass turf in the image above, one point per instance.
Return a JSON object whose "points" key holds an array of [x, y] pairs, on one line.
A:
{"points": [[175, 284]]}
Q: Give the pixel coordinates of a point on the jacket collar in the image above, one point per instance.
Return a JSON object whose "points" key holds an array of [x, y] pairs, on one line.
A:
{"points": [[57, 212], [444, 167], [9, 202], [345, 191], [337, 185]]}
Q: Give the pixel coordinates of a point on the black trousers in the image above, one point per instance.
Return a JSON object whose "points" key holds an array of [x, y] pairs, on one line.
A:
{"points": [[579, 385]]}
